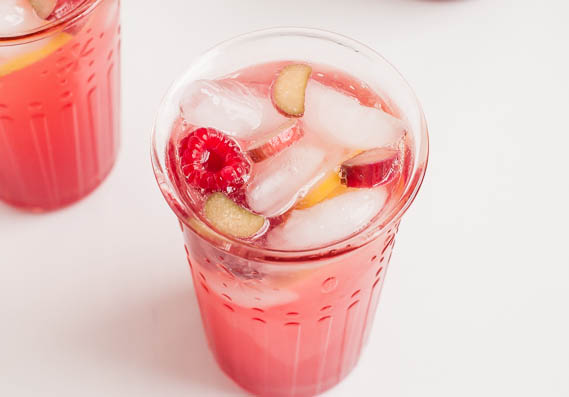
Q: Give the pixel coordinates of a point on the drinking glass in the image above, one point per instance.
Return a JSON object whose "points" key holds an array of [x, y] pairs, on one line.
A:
{"points": [[60, 107], [290, 323]]}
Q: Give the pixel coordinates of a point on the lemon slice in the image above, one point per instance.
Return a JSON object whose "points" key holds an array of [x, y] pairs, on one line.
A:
{"points": [[330, 186], [24, 60]]}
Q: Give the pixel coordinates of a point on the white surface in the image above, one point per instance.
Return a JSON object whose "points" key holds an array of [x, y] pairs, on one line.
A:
{"points": [[96, 300]]}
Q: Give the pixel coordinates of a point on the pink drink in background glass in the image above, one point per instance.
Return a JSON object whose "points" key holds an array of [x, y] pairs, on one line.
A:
{"points": [[288, 308], [59, 105]]}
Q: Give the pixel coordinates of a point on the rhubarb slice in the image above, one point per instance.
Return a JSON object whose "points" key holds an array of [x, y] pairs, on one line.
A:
{"points": [[289, 89], [43, 8], [231, 219], [371, 168], [287, 134]]}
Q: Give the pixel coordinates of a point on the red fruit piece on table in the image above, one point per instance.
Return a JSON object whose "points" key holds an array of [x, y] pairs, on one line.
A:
{"points": [[43, 8], [287, 134], [289, 89], [212, 161], [371, 168]]}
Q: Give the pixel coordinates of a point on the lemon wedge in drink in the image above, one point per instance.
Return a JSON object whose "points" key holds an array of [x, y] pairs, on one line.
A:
{"points": [[329, 187], [23, 60]]}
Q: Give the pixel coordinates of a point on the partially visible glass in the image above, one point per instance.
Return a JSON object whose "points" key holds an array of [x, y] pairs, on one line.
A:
{"points": [[290, 323], [60, 108]]}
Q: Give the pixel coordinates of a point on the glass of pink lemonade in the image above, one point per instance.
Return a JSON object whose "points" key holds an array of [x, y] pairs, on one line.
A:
{"points": [[59, 99], [289, 156]]}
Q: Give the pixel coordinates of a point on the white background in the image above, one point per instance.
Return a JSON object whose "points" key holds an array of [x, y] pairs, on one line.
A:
{"points": [[96, 300]]}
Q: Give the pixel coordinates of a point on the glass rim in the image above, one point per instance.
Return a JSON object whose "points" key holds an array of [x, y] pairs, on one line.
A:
{"points": [[345, 245], [49, 28]]}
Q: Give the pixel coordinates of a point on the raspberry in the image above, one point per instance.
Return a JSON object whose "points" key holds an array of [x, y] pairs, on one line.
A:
{"points": [[213, 162]]}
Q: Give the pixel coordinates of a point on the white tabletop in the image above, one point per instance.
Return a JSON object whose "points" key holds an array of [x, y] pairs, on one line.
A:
{"points": [[97, 300]]}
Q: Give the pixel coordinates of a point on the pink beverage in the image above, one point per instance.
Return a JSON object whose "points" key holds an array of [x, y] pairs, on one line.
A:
{"points": [[289, 157], [59, 99]]}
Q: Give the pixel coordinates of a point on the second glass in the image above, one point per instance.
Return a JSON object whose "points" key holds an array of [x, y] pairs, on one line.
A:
{"points": [[60, 108]]}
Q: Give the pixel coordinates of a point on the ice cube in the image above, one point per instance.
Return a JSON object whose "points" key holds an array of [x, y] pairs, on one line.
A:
{"points": [[229, 106], [17, 16], [329, 221], [278, 181], [339, 118]]}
